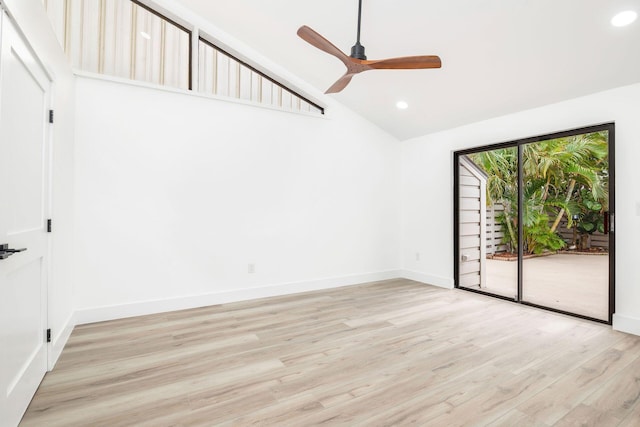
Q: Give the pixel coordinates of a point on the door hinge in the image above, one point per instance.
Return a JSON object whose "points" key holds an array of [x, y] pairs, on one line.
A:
{"points": [[48, 335], [50, 116], [49, 226]]}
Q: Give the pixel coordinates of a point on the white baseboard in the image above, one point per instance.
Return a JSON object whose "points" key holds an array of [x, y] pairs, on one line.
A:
{"points": [[630, 325], [59, 340], [100, 314], [443, 282]]}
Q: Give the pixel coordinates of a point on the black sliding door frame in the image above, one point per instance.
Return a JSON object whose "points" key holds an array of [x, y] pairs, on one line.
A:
{"points": [[520, 143]]}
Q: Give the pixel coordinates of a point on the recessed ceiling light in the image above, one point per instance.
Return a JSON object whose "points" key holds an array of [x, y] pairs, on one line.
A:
{"points": [[624, 18], [145, 35], [402, 105]]}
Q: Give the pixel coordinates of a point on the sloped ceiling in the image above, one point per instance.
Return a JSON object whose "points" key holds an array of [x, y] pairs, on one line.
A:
{"points": [[499, 56]]}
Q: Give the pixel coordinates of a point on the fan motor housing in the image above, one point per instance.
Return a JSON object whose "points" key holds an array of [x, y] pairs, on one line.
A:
{"points": [[357, 51]]}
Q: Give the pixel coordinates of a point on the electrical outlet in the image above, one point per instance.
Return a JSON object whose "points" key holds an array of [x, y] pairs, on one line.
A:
{"points": [[417, 256], [251, 268]]}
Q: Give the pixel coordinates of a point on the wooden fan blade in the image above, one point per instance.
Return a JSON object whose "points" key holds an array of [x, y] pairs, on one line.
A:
{"points": [[406, 63], [340, 84], [313, 38]]}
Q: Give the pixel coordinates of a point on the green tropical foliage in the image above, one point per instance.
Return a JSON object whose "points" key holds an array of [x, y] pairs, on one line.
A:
{"points": [[562, 177], [590, 215]]}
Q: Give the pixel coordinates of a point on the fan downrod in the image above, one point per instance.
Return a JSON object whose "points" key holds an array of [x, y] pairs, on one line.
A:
{"points": [[357, 50]]}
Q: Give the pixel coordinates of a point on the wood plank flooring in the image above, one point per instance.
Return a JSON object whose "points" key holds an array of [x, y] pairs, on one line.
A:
{"points": [[387, 353]]}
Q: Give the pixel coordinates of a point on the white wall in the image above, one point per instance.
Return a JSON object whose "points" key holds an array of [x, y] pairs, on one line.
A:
{"points": [[176, 194], [427, 186], [32, 21]]}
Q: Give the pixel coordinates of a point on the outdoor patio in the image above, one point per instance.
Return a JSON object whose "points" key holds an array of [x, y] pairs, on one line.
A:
{"points": [[569, 282]]}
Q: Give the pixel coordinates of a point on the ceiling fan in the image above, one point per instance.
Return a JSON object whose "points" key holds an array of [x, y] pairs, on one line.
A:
{"points": [[357, 62]]}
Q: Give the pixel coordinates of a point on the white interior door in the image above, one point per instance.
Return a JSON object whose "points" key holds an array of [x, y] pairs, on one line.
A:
{"points": [[24, 104]]}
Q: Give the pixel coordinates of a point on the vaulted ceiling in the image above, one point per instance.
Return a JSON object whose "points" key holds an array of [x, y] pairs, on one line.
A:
{"points": [[499, 56]]}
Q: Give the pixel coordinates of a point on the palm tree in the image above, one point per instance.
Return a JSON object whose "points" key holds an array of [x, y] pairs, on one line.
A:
{"points": [[582, 160], [501, 167]]}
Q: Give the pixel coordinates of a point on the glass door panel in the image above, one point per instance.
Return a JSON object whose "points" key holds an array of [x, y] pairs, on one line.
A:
{"points": [[565, 220], [487, 221]]}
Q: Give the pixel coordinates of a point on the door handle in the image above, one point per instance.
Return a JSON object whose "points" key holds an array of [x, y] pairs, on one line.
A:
{"points": [[612, 222], [6, 252]]}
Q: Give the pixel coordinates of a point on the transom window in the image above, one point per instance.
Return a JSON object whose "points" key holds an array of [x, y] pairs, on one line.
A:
{"points": [[222, 74], [128, 39]]}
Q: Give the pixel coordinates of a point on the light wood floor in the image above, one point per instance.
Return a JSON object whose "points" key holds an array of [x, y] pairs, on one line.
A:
{"points": [[386, 353]]}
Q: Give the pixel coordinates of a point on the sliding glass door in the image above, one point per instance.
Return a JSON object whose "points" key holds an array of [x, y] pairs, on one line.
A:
{"points": [[534, 220]]}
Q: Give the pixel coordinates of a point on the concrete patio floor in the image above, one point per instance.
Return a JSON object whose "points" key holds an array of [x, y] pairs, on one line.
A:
{"points": [[574, 283]]}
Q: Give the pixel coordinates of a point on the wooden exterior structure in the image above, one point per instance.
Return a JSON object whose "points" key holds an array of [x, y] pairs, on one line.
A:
{"points": [[473, 224], [494, 229], [495, 233]]}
